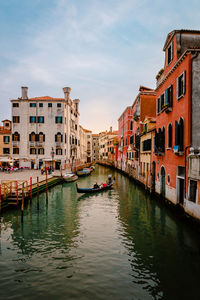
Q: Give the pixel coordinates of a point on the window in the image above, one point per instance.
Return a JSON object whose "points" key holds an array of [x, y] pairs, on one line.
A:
{"points": [[158, 106], [58, 151], [58, 120], [15, 105], [40, 104], [16, 119], [41, 151], [170, 53], [160, 141], [58, 104], [180, 85], [58, 137], [49, 104], [40, 119], [32, 104], [170, 135], [6, 139], [7, 124], [131, 125], [179, 136], [6, 150], [75, 127], [162, 101], [32, 137], [146, 145], [168, 179], [169, 96], [16, 137], [15, 150], [41, 137], [32, 119], [132, 140], [32, 150]]}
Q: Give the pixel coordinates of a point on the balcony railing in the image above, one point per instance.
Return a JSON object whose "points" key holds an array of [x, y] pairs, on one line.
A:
{"points": [[15, 143]]}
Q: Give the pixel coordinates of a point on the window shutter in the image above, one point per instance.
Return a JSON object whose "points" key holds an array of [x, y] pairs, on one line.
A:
{"points": [[184, 82], [176, 133], [12, 137], [171, 96], [61, 137], [55, 137], [181, 135], [43, 137], [166, 100], [29, 137], [37, 137], [18, 137]]}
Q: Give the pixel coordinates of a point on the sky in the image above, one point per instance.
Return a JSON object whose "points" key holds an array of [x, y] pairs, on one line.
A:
{"points": [[103, 49]]}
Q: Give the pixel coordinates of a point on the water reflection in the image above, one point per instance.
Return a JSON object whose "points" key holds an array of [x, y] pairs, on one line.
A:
{"points": [[118, 244], [159, 245]]}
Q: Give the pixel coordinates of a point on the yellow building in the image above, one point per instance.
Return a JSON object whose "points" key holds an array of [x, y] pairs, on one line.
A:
{"points": [[146, 146], [5, 142]]}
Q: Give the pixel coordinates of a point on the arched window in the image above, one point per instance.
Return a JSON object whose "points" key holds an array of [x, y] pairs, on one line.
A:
{"points": [[170, 135], [181, 134], [16, 137], [58, 137], [32, 137], [41, 137]]}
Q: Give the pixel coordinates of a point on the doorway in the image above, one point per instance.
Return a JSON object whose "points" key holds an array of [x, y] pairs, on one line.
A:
{"points": [[162, 181]]}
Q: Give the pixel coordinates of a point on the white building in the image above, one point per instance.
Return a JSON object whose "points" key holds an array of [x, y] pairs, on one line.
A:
{"points": [[85, 145], [95, 147], [45, 130]]}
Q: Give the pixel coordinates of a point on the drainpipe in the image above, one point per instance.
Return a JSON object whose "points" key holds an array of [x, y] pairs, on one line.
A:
{"points": [[185, 169]]}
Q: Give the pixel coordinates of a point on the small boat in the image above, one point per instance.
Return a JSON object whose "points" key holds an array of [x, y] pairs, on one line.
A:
{"points": [[101, 188], [84, 172], [70, 177]]}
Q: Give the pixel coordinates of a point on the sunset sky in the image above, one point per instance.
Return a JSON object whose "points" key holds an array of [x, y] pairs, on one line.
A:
{"points": [[103, 50]]}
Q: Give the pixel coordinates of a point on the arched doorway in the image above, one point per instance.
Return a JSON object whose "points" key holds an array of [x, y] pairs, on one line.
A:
{"points": [[153, 176], [162, 181]]}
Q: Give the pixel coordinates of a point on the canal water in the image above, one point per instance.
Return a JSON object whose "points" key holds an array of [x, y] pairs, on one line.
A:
{"points": [[118, 244]]}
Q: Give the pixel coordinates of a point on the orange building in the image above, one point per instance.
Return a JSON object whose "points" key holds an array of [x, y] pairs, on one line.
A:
{"points": [[177, 120], [143, 106]]}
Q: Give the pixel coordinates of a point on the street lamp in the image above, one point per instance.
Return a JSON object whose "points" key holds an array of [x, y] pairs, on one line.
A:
{"points": [[52, 156]]}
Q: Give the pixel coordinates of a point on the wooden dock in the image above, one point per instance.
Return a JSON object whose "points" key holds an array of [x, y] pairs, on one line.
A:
{"points": [[12, 191]]}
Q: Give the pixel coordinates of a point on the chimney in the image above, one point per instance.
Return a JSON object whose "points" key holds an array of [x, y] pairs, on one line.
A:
{"points": [[24, 92], [76, 102], [110, 128], [67, 91]]}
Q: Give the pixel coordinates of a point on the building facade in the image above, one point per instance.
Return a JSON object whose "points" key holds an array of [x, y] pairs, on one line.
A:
{"points": [[95, 147], [177, 120], [45, 130], [5, 142]]}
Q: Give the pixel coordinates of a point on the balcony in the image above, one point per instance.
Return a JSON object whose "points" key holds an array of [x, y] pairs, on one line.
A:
{"points": [[15, 143], [167, 108], [59, 144], [177, 150], [32, 143]]}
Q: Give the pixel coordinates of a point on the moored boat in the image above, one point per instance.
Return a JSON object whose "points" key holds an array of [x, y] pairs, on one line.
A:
{"points": [[70, 177], [84, 172]]}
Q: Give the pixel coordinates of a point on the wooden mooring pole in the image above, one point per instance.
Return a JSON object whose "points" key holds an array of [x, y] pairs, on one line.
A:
{"points": [[37, 193], [46, 188], [17, 194], [22, 205], [31, 188]]}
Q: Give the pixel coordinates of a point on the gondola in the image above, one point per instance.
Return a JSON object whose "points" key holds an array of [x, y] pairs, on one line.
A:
{"points": [[95, 190]]}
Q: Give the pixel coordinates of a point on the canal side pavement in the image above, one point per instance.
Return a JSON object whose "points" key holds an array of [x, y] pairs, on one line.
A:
{"points": [[26, 174]]}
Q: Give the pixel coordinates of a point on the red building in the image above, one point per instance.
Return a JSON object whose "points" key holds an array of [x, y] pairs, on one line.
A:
{"points": [[143, 106], [124, 134], [178, 89]]}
